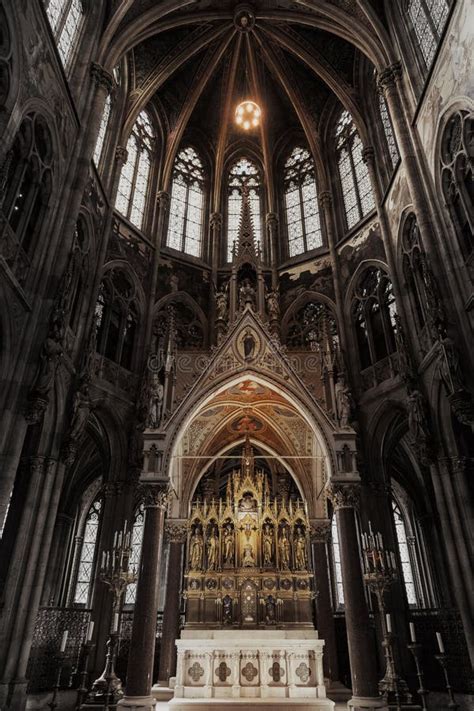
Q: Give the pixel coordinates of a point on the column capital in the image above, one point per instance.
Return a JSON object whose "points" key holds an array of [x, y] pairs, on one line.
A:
{"points": [[326, 198], [163, 200], [102, 77], [121, 154], [154, 495], [176, 530], [389, 76], [215, 220], [368, 155], [271, 219], [344, 495], [319, 530]]}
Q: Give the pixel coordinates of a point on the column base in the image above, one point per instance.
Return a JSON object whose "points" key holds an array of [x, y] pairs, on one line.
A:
{"points": [[367, 702], [137, 703], [162, 691]]}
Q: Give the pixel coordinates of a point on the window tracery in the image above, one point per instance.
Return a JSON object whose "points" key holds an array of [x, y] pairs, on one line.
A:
{"points": [[187, 204], [117, 318], [301, 203], [388, 130], [428, 18], [87, 559], [66, 18], [373, 315], [134, 179], [104, 122], [244, 171], [404, 555], [136, 544], [311, 325], [5, 57], [457, 176], [27, 191], [353, 172]]}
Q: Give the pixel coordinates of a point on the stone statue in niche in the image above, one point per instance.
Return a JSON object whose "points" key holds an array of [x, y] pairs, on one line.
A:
{"points": [[270, 610], [155, 404], [228, 545], [221, 304], [246, 295], [212, 550], [267, 545], [248, 559], [300, 550], [343, 403], [197, 548], [81, 408], [284, 549], [273, 305], [227, 610], [249, 345], [416, 416]]}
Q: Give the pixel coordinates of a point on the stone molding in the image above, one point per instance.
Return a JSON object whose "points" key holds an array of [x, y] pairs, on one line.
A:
{"points": [[344, 495], [215, 220], [154, 495]]}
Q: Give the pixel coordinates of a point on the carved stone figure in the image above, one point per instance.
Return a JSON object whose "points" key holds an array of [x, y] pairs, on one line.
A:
{"points": [[212, 551], [343, 403], [197, 549], [270, 610], [155, 403], [227, 610], [81, 408], [246, 295], [416, 416], [228, 545], [248, 559], [284, 549], [221, 305], [300, 550], [249, 345], [273, 305], [450, 367], [267, 545]]}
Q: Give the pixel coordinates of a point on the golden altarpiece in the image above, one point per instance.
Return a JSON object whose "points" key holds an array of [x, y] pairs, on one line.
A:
{"points": [[247, 556]]}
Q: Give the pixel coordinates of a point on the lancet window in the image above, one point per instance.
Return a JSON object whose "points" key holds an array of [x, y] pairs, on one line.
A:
{"points": [[243, 172], [312, 326], [373, 314], [457, 176], [388, 130], [353, 172], [186, 218], [117, 318], [428, 18], [414, 272], [87, 560], [104, 122], [137, 540], [404, 555], [336, 556], [66, 18], [135, 176], [26, 192], [301, 203]]}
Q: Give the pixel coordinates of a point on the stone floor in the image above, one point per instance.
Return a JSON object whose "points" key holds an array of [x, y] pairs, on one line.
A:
{"points": [[163, 706]]}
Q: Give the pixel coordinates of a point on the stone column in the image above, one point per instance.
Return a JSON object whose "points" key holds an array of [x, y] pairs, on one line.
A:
{"points": [[142, 645], [345, 497], [320, 532], [175, 532], [272, 231]]}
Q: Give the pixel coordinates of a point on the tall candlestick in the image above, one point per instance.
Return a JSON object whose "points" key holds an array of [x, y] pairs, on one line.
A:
{"points": [[116, 621], [115, 539], [412, 633], [388, 620], [440, 642], [90, 631], [64, 641]]}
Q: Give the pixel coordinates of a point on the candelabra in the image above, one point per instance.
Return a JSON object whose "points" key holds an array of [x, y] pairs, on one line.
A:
{"points": [[415, 649], [380, 574], [116, 575], [443, 660]]}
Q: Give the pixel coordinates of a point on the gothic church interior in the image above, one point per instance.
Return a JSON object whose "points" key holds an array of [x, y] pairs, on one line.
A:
{"points": [[236, 355]]}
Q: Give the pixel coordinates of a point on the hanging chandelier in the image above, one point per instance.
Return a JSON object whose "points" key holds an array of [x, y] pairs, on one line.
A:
{"points": [[248, 114]]}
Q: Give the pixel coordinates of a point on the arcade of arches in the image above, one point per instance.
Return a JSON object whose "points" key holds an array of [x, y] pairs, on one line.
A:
{"points": [[236, 357]]}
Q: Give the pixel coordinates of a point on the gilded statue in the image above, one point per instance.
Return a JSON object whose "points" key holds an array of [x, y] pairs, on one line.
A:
{"points": [[248, 559], [212, 551], [300, 550], [267, 545], [197, 548], [228, 545], [284, 549]]}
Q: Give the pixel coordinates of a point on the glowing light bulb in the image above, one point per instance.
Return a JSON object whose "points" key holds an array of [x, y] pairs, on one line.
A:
{"points": [[249, 107], [255, 122], [240, 110], [257, 112], [246, 125], [238, 119]]}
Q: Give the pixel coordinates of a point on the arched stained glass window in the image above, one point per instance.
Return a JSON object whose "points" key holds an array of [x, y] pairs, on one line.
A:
{"points": [[404, 553], [134, 178], [243, 172], [428, 18], [353, 172], [104, 122], [88, 554], [187, 204], [301, 203], [137, 539], [65, 18], [388, 130], [117, 318], [336, 554]]}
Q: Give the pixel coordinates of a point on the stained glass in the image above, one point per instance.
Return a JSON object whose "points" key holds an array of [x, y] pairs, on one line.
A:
{"points": [[407, 570], [353, 172], [388, 129], [102, 131], [187, 204], [137, 538], [336, 552], [243, 171], [54, 11], [135, 176], [301, 202], [86, 561], [428, 18]]}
